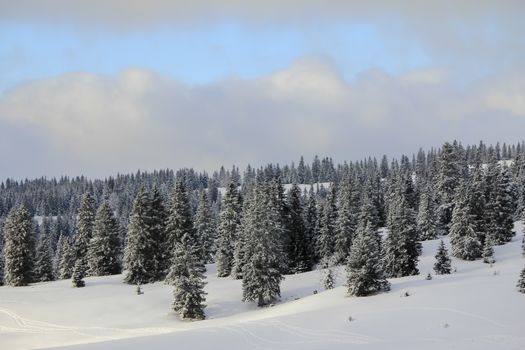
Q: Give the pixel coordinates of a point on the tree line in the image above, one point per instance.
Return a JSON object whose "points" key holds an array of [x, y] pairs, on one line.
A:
{"points": [[258, 231]]}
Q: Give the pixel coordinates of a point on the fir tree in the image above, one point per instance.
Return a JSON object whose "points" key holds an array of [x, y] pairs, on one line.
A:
{"points": [[488, 252], [364, 273], [311, 222], [104, 247], [43, 270], [186, 271], [84, 229], [18, 247], [67, 259], [262, 272], [157, 222], [347, 212], [205, 228], [79, 272], [138, 254], [464, 240], [442, 265], [401, 246], [521, 282], [500, 209], [229, 220], [449, 175], [426, 216], [298, 253], [241, 244], [326, 242]]}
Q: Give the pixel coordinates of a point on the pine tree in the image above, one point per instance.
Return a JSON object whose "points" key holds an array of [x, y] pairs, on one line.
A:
{"points": [[449, 175], [521, 282], [311, 221], [262, 272], [500, 209], [364, 272], [84, 229], [298, 253], [241, 244], [18, 247], [442, 265], [426, 217], [326, 242], [43, 270], [138, 254], [67, 259], [104, 247], [79, 272], [161, 251], [205, 228], [347, 212], [477, 203], [229, 220], [186, 271], [488, 252], [401, 246], [464, 240]]}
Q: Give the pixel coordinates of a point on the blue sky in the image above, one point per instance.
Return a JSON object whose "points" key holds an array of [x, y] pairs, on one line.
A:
{"points": [[99, 87]]}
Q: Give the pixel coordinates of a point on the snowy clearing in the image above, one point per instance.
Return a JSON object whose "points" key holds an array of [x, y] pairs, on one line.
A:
{"points": [[478, 307]]}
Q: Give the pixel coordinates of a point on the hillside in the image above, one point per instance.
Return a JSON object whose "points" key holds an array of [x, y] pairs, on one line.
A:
{"points": [[478, 307]]}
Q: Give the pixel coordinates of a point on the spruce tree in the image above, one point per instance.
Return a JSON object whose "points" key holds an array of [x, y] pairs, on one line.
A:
{"points": [[103, 255], [229, 220], [347, 212], [327, 225], [442, 265], [500, 209], [448, 178], [186, 271], [18, 247], [241, 243], [298, 253], [79, 272], [43, 270], [84, 228], [262, 272], [161, 248], [521, 282], [488, 252], [311, 221], [138, 254], [364, 272], [401, 246], [67, 259], [464, 240], [205, 228], [426, 216]]}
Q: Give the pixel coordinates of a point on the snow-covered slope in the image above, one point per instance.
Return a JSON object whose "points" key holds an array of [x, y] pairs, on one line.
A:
{"points": [[478, 307]]}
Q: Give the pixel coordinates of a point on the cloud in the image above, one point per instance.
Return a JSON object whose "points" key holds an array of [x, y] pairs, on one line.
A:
{"points": [[139, 119]]}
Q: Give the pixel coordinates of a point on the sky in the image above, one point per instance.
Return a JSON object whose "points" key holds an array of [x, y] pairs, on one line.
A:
{"points": [[100, 88]]}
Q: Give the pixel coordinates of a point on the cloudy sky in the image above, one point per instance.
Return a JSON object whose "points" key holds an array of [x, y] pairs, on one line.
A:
{"points": [[98, 87]]}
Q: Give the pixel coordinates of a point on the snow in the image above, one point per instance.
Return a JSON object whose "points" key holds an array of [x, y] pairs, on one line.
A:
{"points": [[478, 307], [287, 187]]}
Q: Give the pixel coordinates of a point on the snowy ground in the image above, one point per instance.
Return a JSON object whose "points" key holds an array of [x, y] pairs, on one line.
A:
{"points": [[478, 307]]}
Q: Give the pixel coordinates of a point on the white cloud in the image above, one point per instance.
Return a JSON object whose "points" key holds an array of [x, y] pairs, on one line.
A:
{"points": [[138, 119]]}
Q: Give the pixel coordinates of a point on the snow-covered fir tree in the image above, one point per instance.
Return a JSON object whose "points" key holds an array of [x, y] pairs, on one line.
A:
{"points": [[229, 220], [463, 239], [18, 247], [477, 202], [401, 246], [84, 227], [241, 243], [426, 216], [103, 256], [187, 266], [521, 282], [488, 252], [347, 213], [311, 222], [205, 228], [364, 272], [67, 259], [79, 272], [298, 251], [448, 177], [500, 208], [43, 269], [157, 222], [327, 226], [138, 254], [442, 265], [262, 272]]}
